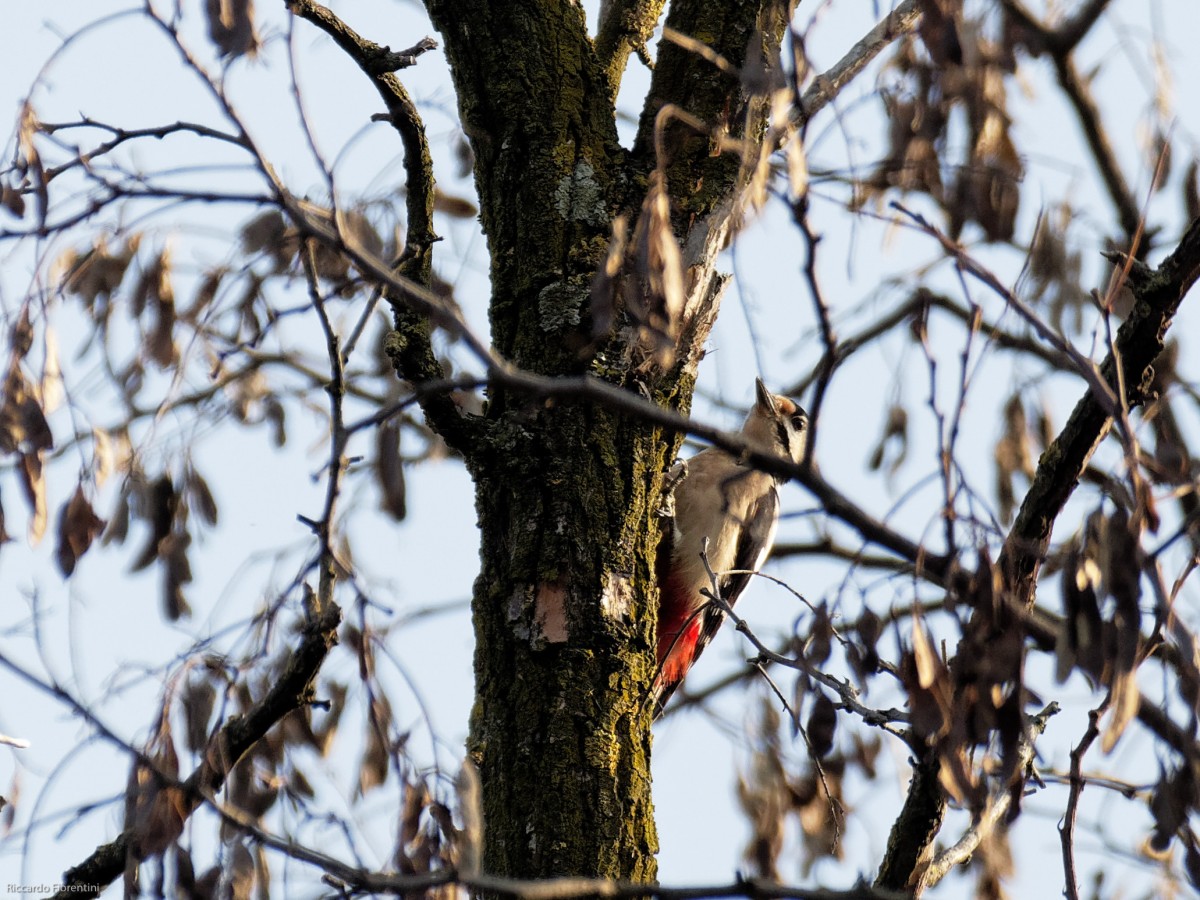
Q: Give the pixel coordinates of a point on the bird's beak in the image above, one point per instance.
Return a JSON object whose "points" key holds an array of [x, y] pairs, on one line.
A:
{"points": [[766, 400]]}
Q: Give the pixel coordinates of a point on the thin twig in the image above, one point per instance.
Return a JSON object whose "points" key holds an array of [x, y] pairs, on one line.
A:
{"points": [[338, 436], [1067, 828], [829, 84]]}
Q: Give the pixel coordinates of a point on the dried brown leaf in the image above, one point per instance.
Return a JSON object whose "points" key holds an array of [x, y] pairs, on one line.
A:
{"points": [[930, 667], [1158, 156], [78, 526], [259, 794], [866, 751], [29, 160], [454, 207], [470, 813], [819, 645], [765, 799], [12, 200], [464, 156], [199, 698], [959, 779], [1120, 556], [50, 390], [819, 807], [797, 166], [155, 810], [374, 767], [938, 30], [159, 344], [157, 506], [1048, 257], [185, 874], [389, 469], [1191, 191], [177, 572], [1081, 638], [358, 232], [895, 434], [1170, 805], [240, 874], [930, 697], [988, 187], [97, 273], [1122, 709], [200, 497], [34, 484], [250, 328], [208, 885], [118, 521], [267, 233], [822, 726], [1013, 455], [20, 336], [863, 656], [276, 417], [660, 268], [416, 799], [298, 785], [103, 457], [205, 294], [23, 424], [607, 278], [231, 27]]}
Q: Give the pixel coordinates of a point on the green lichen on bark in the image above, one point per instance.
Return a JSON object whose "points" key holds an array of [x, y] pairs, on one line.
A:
{"points": [[567, 492], [700, 178], [561, 733]]}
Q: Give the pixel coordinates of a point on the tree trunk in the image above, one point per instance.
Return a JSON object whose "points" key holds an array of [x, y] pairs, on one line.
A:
{"points": [[568, 492]]}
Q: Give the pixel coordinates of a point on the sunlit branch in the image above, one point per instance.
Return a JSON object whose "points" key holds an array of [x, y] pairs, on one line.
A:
{"points": [[997, 807], [826, 86]]}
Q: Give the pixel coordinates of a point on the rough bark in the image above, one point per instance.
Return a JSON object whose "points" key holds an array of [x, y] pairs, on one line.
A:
{"points": [[559, 730], [567, 492]]}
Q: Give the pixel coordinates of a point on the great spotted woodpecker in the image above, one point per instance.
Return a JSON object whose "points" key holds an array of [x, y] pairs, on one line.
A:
{"points": [[735, 508]]}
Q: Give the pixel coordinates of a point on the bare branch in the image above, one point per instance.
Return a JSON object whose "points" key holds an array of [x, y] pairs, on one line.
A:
{"points": [[414, 351], [997, 807], [826, 86], [292, 691], [1059, 43], [1138, 343], [338, 437], [625, 27], [1077, 781]]}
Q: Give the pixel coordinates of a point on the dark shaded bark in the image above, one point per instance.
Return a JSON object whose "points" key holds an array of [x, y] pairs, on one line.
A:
{"points": [[1140, 339], [910, 844]]}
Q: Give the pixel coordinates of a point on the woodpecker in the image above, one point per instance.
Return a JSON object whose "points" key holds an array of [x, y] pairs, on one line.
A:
{"points": [[735, 508]]}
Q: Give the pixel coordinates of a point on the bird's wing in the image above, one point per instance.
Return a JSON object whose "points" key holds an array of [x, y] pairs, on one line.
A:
{"points": [[754, 545]]}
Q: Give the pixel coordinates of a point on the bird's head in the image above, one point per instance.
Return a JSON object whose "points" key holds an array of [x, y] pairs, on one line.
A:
{"points": [[777, 424]]}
